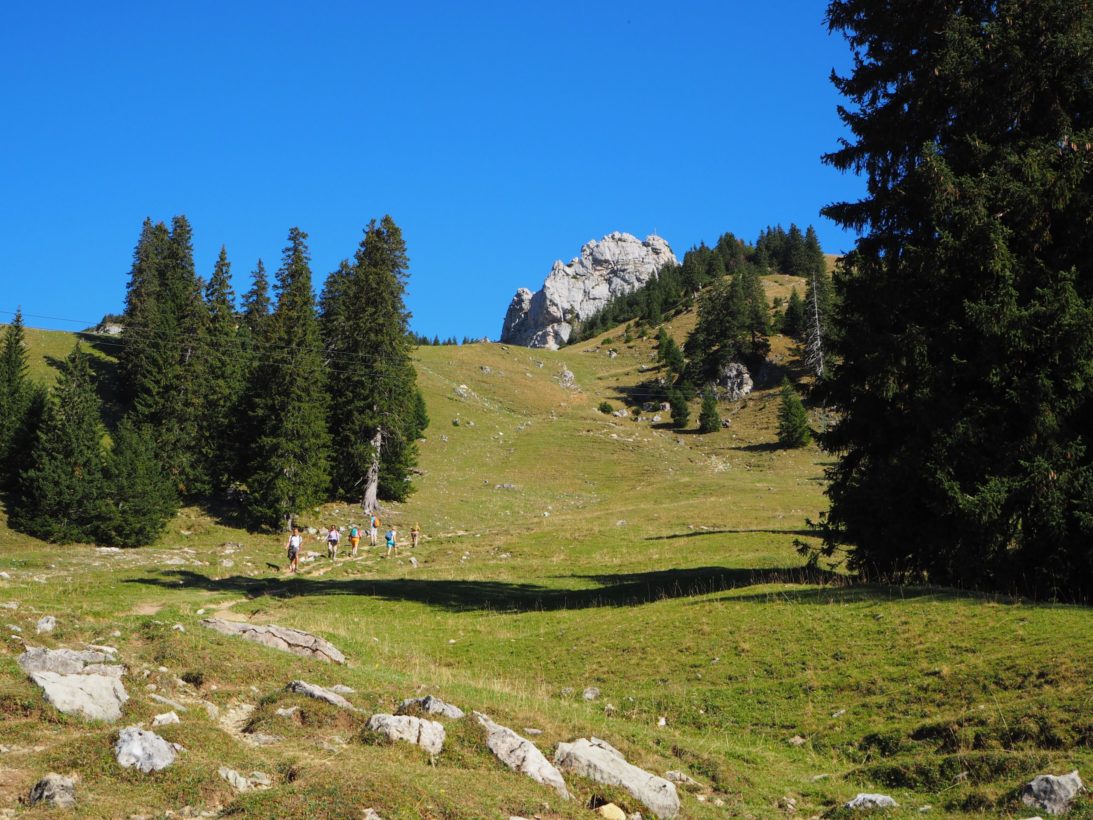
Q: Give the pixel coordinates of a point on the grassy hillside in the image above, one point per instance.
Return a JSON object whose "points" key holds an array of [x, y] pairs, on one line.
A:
{"points": [[564, 549]]}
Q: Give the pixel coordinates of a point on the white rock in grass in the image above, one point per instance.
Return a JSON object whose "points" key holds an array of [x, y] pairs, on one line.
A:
{"points": [[430, 706], [312, 690], [257, 780], [94, 697], [1052, 793], [279, 637], [46, 623], [145, 751], [521, 755], [871, 801], [166, 719], [599, 761], [428, 734]]}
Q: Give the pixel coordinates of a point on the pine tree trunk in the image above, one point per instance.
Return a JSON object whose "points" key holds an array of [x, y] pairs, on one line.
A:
{"points": [[372, 479], [814, 347]]}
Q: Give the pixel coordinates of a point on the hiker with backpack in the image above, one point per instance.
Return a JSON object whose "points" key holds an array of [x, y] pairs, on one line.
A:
{"points": [[415, 534], [332, 539], [295, 541], [373, 529], [354, 537], [392, 542]]}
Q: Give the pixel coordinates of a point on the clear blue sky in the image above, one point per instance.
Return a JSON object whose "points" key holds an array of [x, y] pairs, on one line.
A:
{"points": [[500, 137]]}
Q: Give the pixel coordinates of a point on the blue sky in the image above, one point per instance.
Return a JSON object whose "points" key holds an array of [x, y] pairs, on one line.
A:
{"points": [[500, 137]]}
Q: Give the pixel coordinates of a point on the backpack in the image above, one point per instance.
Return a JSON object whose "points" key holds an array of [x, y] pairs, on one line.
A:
{"points": [[353, 532], [375, 522], [390, 535]]}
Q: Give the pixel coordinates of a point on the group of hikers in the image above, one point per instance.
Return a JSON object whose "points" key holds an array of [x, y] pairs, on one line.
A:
{"points": [[334, 537]]}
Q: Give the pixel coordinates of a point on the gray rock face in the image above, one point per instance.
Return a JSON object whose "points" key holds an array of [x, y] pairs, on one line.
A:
{"points": [[54, 789], [1052, 793], [279, 637], [599, 761], [428, 734], [46, 624], [67, 661], [242, 783], [614, 266], [521, 755], [145, 751], [94, 697], [430, 706], [733, 382], [872, 801], [312, 690]]}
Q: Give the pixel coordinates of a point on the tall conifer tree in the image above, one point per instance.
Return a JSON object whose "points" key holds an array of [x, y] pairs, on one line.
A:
{"points": [[288, 466], [15, 390], [964, 374], [61, 489], [223, 384], [365, 329]]}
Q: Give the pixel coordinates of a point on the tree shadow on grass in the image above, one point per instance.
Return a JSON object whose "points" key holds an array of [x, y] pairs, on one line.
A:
{"points": [[468, 595], [804, 532]]}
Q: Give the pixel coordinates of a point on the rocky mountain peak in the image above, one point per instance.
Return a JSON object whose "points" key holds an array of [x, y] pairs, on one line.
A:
{"points": [[618, 264]]}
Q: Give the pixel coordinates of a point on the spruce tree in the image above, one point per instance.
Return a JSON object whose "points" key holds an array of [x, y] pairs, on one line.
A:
{"points": [[709, 420], [681, 413], [289, 460], [15, 392], [793, 323], [365, 330], [793, 429], [963, 366], [139, 499], [61, 489], [223, 383], [141, 353]]}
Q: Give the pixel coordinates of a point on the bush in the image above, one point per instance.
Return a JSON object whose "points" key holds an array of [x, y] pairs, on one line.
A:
{"points": [[709, 420], [793, 430], [606, 408], [681, 413]]}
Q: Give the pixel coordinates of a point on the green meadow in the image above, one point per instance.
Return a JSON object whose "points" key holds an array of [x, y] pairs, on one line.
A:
{"points": [[563, 548]]}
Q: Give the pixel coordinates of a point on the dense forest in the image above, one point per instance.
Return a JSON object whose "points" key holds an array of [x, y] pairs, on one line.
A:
{"points": [[219, 401]]}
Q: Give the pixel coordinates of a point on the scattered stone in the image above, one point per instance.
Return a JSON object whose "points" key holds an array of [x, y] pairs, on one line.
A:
{"points": [[69, 661], [662, 721], [257, 780], [610, 811], [279, 637], [146, 751], [9, 605], [428, 734], [56, 789], [683, 779], [370, 814], [621, 413], [567, 692], [430, 705], [591, 693], [174, 704], [532, 731], [165, 719], [1052, 793], [312, 690], [787, 804], [796, 740], [463, 391], [838, 713], [342, 689], [872, 801], [413, 562], [46, 624], [566, 379], [733, 382], [599, 761], [6, 577], [609, 709], [521, 755]]}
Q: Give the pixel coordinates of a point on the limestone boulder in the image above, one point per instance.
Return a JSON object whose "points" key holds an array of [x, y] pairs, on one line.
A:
{"points": [[429, 705], [1052, 793], [144, 751], [521, 755], [312, 690], [734, 382], [428, 734], [614, 266], [871, 801], [283, 638], [597, 760], [55, 789], [93, 697], [67, 661]]}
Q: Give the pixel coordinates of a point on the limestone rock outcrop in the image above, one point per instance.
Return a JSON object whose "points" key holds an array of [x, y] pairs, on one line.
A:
{"points": [[279, 637], [521, 755], [428, 734], [600, 761], [75, 682], [614, 266]]}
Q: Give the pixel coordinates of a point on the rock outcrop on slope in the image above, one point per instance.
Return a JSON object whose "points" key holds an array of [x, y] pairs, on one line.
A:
{"points": [[614, 266]]}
